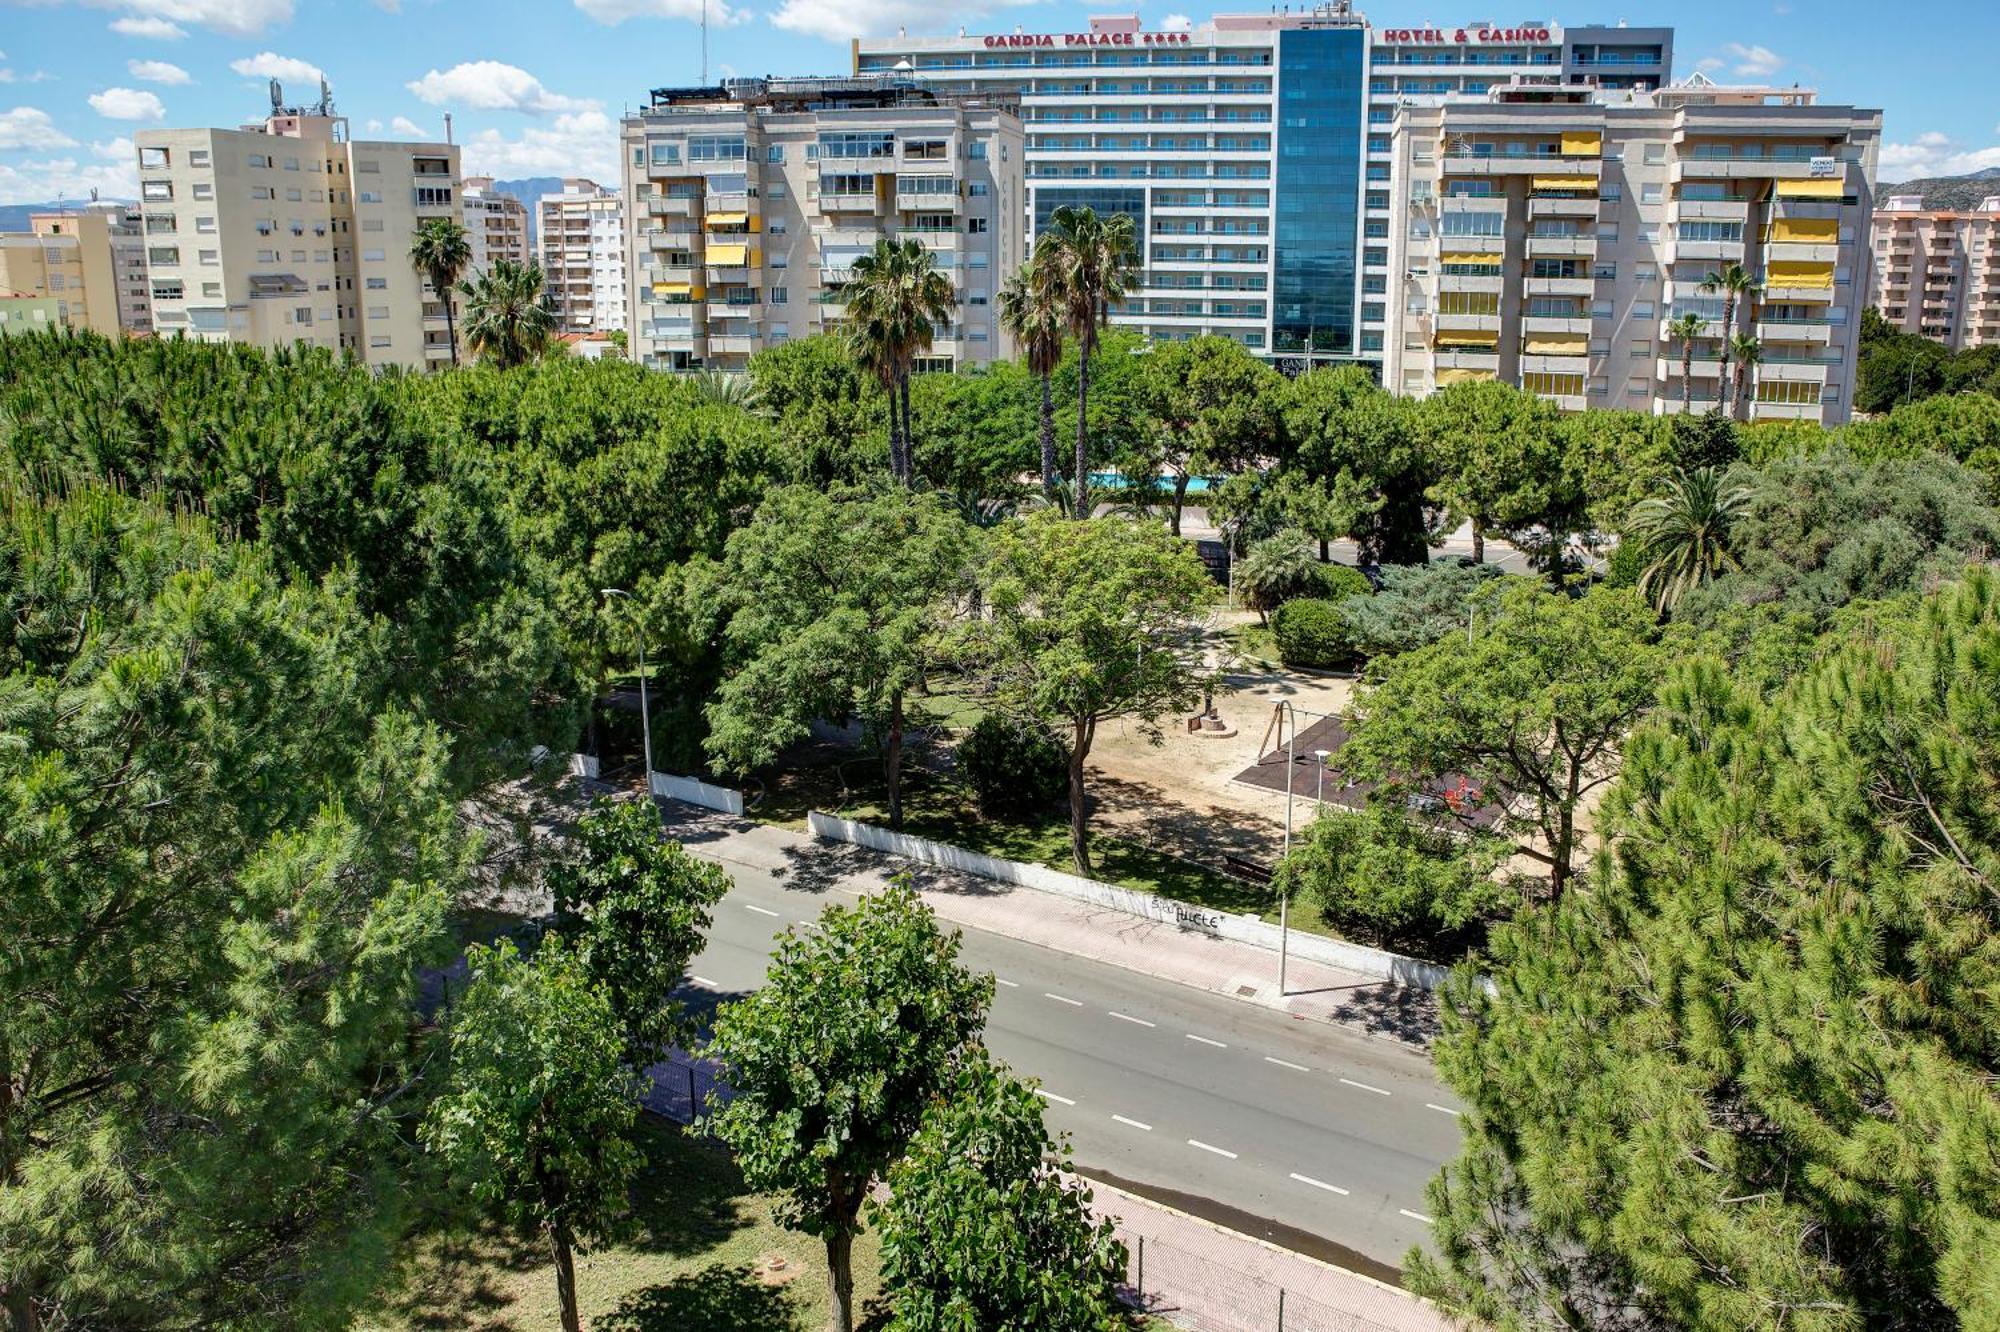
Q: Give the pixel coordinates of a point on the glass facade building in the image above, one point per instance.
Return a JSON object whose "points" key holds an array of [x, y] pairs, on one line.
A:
{"points": [[1322, 83]]}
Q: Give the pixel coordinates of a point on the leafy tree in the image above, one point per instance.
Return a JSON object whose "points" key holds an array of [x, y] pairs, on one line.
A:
{"points": [[1959, 425], [1090, 621], [1707, 439], [223, 864], [1094, 259], [1311, 633], [1417, 604], [894, 303], [1499, 457], [1214, 409], [1745, 351], [838, 603], [980, 1229], [635, 907], [539, 1103], [1033, 310], [1683, 534], [1361, 466], [1532, 707], [1013, 767], [508, 318], [1277, 569], [975, 431], [1747, 1081], [441, 250], [826, 409], [858, 1027], [1738, 285], [1684, 329], [1404, 880]]}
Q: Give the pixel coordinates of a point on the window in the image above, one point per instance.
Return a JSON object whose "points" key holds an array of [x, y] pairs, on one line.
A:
{"points": [[924, 150], [260, 192], [372, 256], [775, 227], [295, 195], [978, 189], [1651, 194], [1469, 302], [1612, 192], [205, 225], [371, 196], [775, 153], [291, 164], [378, 284], [779, 332], [1638, 386], [267, 256], [1786, 391], [715, 148], [1656, 153], [1642, 309], [1552, 385], [258, 160], [978, 259], [1607, 232], [371, 224], [1472, 224], [780, 261], [378, 339], [302, 315], [1604, 272], [167, 255], [154, 159], [212, 290], [204, 189], [976, 150], [368, 166], [210, 257], [169, 290], [975, 226], [1642, 349], [976, 296], [1702, 230], [157, 191], [378, 312]]}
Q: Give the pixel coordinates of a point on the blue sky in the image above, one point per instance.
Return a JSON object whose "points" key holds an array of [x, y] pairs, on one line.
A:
{"points": [[536, 86]]}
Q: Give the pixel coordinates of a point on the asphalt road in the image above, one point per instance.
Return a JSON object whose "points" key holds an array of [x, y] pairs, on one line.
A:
{"points": [[1311, 1135]]}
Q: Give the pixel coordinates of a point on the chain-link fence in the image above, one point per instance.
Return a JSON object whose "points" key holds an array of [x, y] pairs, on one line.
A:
{"points": [[1204, 1295], [683, 1088]]}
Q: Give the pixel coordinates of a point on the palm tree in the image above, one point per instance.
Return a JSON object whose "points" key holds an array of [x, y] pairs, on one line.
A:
{"points": [[896, 300], [1684, 329], [1094, 259], [1031, 308], [1746, 351], [508, 319], [1736, 283], [720, 388], [1683, 534], [442, 251]]}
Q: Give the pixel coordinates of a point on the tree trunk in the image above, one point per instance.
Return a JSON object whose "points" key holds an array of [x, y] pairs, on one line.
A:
{"points": [[1478, 541], [1325, 550], [1722, 375], [559, 1247], [1079, 832], [1082, 433], [450, 327], [1048, 440], [1559, 854], [840, 1278], [895, 434], [1687, 378], [909, 435], [15, 1299], [1180, 502], [893, 760]]}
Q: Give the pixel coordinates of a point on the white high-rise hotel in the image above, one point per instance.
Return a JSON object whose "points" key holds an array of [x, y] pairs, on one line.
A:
{"points": [[1253, 150]]}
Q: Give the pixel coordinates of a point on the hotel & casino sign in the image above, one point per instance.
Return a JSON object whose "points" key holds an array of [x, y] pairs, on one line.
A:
{"points": [[1447, 36]]}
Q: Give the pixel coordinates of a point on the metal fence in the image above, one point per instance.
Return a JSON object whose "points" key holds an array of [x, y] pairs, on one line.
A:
{"points": [[683, 1088], [1204, 1295]]}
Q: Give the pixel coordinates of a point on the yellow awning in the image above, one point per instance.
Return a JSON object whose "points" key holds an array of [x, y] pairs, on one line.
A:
{"points": [[1457, 376], [1479, 260], [1588, 184], [1807, 230], [1798, 273], [727, 256], [672, 288], [1583, 143], [726, 219], [1558, 344], [1812, 189], [1469, 337]]}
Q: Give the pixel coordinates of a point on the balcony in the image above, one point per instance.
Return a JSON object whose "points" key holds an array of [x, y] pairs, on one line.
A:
{"points": [[930, 201], [1713, 251], [930, 239], [1744, 168], [1773, 332], [1492, 282], [732, 344], [1708, 210], [746, 312], [858, 202], [672, 238], [1562, 247], [437, 351], [1454, 359], [735, 201], [1785, 411], [1702, 367], [1818, 252], [1472, 203], [1555, 323], [660, 205], [1468, 323], [1553, 207], [1522, 164], [1560, 286], [1795, 370], [1472, 244]]}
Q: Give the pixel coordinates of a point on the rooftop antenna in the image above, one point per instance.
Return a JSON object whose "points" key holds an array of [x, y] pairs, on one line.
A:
{"points": [[325, 97], [277, 96], [704, 43], [447, 127]]}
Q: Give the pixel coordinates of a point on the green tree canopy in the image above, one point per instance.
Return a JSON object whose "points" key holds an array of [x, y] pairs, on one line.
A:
{"points": [[1214, 409], [858, 1027], [1359, 461], [1499, 459]]}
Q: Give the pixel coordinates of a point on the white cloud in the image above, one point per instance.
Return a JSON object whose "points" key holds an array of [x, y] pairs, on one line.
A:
{"points": [[232, 18], [489, 85], [389, 6], [1753, 62], [158, 29], [1176, 23], [66, 178], [1934, 154], [373, 126], [157, 71], [115, 150], [582, 143], [408, 128], [1709, 64], [840, 20], [271, 65], [30, 127], [127, 104], [613, 12]]}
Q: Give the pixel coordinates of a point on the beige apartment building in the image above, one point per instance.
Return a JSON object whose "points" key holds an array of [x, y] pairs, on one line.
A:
{"points": [[291, 232], [747, 211], [1548, 236], [582, 233], [59, 270], [1937, 273], [496, 224], [95, 264]]}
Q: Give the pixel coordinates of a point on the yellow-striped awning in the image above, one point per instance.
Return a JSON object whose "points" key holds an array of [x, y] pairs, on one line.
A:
{"points": [[1583, 143], [1477, 260], [727, 256], [672, 288], [1558, 344], [726, 219], [1812, 189], [1455, 375], [1469, 337], [1587, 184], [1798, 273], [1807, 230]]}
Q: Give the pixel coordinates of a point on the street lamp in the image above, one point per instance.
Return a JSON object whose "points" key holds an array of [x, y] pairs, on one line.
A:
{"points": [[645, 710], [1285, 895], [1319, 781]]}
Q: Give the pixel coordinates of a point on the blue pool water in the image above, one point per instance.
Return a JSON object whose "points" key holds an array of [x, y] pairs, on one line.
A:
{"points": [[1196, 485]]}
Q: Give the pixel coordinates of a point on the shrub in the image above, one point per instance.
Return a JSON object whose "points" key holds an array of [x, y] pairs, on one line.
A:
{"points": [[1013, 767], [1312, 633], [1277, 569], [1418, 604], [1338, 582]]}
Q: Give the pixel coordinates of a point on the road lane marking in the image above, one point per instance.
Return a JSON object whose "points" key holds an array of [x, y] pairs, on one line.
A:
{"points": [[1443, 1109], [1137, 1022], [705, 981], [1364, 1086], [1073, 1003], [1051, 1096], [1286, 1063], [1205, 1041], [1133, 1123], [1219, 1151], [1002, 980], [1319, 1184], [1416, 1216], [762, 911]]}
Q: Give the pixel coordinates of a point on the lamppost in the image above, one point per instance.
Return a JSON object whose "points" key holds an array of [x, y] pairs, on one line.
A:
{"points": [[1319, 781], [1285, 896], [645, 710]]}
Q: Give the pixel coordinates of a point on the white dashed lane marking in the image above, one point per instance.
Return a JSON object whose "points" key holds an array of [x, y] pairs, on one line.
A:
{"points": [[1362, 1086], [1012, 985], [1286, 1063], [1219, 1151], [1320, 1184], [1443, 1109], [1205, 1041], [1051, 1096], [1133, 1123], [1137, 1022], [762, 911], [704, 982], [1415, 1216], [1073, 1003]]}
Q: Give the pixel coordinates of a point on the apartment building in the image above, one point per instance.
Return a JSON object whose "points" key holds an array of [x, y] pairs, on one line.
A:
{"points": [[583, 238], [1548, 236], [1937, 273], [24, 312], [290, 232], [112, 250], [750, 203], [1252, 150], [496, 224], [53, 270]]}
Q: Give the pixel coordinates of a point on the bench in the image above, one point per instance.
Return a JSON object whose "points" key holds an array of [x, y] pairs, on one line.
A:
{"points": [[1248, 870]]}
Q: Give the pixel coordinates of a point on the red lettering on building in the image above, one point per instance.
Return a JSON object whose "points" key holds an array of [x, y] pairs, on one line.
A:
{"points": [[1085, 39]]}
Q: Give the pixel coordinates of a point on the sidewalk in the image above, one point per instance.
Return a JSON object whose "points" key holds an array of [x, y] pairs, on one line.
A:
{"points": [[1316, 993]]}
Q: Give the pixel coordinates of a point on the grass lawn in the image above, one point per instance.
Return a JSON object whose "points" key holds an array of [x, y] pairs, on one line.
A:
{"points": [[1255, 644], [700, 1260]]}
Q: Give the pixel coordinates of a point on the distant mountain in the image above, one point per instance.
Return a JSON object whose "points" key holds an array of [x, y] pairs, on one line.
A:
{"points": [[529, 192], [1954, 192]]}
